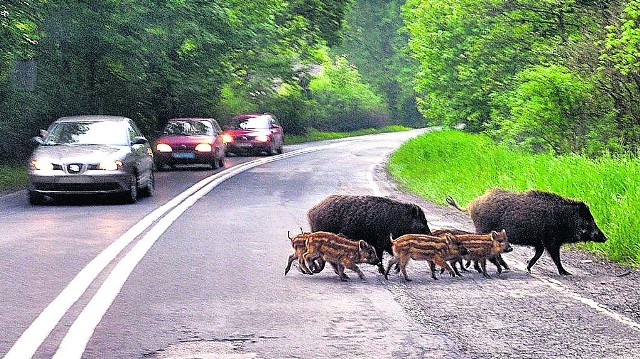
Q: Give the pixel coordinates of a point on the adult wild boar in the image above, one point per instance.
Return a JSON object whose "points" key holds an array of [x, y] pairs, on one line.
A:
{"points": [[368, 218], [534, 218]]}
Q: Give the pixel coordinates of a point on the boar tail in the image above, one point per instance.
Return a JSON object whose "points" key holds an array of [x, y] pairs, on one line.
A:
{"points": [[452, 202]]}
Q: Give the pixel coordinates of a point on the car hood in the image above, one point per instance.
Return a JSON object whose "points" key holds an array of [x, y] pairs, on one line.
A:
{"points": [[173, 140], [80, 153]]}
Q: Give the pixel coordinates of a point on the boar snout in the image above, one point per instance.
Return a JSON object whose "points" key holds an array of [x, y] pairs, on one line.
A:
{"points": [[508, 248]]}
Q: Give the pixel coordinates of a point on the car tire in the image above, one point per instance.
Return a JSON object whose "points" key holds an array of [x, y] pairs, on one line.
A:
{"points": [[35, 198], [131, 196], [221, 162], [280, 150], [150, 189]]}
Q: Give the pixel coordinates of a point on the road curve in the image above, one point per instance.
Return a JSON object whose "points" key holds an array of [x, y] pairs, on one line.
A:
{"points": [[197, 271]]}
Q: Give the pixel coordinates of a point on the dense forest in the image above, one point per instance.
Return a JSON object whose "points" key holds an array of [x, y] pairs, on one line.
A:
{"points": [[546, 75]]}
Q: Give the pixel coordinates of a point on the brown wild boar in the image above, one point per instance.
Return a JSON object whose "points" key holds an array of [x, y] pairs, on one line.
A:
{"points": [[299, 248], [340, 252], [539, 219], [424, 247]]}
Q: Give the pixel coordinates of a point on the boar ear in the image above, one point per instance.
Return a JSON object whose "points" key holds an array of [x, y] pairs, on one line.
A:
{"points": [[494, 234], [362, 245]]}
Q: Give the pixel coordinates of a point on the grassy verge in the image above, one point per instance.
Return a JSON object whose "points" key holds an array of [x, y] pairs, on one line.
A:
{"points": [[12, 177], [464, 166], [314, 135]]}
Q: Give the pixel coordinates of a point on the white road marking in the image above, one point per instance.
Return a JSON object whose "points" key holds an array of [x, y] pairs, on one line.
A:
{"points": [[31, 339], [558, 286]]}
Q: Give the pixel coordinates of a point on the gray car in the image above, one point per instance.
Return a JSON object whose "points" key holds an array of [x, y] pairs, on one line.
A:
{"points": [[91, 155]]}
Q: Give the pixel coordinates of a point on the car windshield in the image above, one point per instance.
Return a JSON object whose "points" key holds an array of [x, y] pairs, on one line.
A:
{"points": [[252, 123], [188, 128], [87, 133]]}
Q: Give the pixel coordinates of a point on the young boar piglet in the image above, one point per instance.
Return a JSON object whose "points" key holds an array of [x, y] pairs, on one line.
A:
{"points": [[340, 252], [423, 247], [299, 245], [481, 247]]}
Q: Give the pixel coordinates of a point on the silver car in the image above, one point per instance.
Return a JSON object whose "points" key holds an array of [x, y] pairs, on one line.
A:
{"points": [[91, 155]]}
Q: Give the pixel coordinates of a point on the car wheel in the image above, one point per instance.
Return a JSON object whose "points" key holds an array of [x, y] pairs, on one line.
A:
{"points": [[35, 198], [280, 150], [221, 162], [131, 196], [150, 189], [215, 164]]}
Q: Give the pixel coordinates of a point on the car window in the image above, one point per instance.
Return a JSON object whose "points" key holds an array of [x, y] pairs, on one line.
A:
{"points": [[261, 122], [189, 128], [87, 133]]}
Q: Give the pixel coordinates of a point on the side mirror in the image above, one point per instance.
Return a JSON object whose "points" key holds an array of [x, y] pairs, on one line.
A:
{"points": [[139, 140], [36, 141], [43, 133]]}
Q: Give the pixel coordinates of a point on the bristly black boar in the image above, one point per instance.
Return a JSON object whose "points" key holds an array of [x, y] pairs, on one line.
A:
{"points": [[370, 218], [534, 218]]}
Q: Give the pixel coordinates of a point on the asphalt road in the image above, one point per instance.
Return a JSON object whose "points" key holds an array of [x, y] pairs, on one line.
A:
{"points": [[197, 271]]}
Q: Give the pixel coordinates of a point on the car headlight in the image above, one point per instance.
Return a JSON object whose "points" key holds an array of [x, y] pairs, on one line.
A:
{"points": [[110, 165], [262, 138], [163, 147], [41, 165], [203, 147], [227, 138]]}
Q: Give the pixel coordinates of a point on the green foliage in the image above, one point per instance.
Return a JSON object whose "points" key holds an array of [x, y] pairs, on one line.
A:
{"points": [[12, 178], [154, 60], [375, 41], [465, 166], [513, 65], [536, 110], [344, 102]]}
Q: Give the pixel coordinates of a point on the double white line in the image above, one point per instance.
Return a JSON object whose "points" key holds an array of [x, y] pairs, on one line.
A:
{"points": [[80, 332]]}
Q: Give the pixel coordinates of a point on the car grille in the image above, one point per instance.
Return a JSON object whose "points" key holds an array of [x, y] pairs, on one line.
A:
{"points": [[77, 187]]}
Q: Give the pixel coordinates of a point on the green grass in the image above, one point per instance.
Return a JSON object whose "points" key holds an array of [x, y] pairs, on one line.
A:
{"points": [[315, 135], [464, 166], [12, 178]]}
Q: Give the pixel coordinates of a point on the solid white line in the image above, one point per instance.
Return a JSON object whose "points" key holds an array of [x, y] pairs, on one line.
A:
{"points": [[558, 286], [80, 332]]}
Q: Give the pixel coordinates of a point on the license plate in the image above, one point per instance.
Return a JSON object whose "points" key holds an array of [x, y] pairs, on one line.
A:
{"points": [[183, 155]]}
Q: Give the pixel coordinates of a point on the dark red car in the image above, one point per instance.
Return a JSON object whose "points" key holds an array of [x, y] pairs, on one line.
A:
{"points": [[190, 140], [254, 133]]}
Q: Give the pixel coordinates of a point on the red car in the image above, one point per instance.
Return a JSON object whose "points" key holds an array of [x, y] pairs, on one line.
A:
{"points": [[254, 133], [190, 140]]}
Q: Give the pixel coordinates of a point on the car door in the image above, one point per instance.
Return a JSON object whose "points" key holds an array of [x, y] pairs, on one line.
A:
{"points": [[141, 151], [276, 129]]}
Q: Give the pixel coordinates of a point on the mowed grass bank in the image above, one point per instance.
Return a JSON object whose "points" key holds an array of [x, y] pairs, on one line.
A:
{"points": [[464, 166]]}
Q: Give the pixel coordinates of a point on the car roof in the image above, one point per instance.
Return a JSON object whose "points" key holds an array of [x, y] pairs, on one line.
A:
{"points": [[244, 116], [192, 119], [92, 118]]}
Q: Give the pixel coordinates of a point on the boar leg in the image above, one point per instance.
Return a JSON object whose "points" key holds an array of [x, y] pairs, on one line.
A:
{"points": [[432, 266], [318, 265], [554, 252], [442, 263], [403, 267], [496, 262], [354, 267], [539, 251], [483, 266], [292, 258], [502, 262], [341, 274], [392, 261]]}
